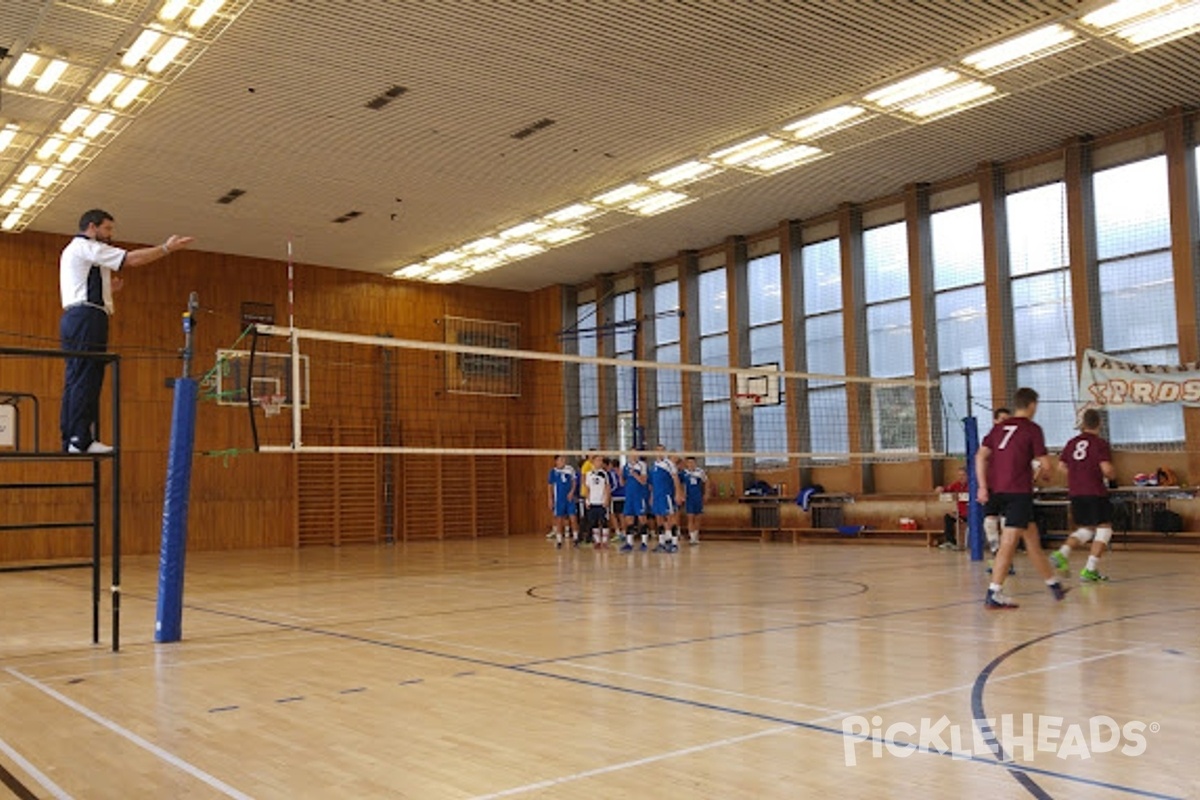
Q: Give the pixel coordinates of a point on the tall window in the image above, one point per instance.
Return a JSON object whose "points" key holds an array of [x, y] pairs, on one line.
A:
{"points": [[666, 351], [889, 335], [589, 379], [960, 313], [1137, 287], [824, 344], [1043, 332], [625, 310], [764, 290], [714, 352]]}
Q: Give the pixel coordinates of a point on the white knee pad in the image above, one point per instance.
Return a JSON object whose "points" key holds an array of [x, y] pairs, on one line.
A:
{"points": [[1104, 535], [1084, 535]]}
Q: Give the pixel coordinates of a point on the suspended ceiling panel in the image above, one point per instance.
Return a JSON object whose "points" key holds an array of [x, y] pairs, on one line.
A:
{"points": [[278, 108]]}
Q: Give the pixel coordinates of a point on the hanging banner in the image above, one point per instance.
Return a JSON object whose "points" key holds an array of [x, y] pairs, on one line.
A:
{"points": [[1109, 383]]}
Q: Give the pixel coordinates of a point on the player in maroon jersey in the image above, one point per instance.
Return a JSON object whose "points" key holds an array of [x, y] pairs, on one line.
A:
{"points": [[1087, 461], [1010, 450]]}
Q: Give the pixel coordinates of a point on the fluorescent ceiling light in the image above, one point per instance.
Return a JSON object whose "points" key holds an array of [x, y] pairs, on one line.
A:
{"points": [[560, 235], [944, 101], [522, 230], [105, 87], [7, 134], [521, 250], [1121, 11], [897, 93], [50, 75], [71, 152], [49, 176], [824, 122], [483, 245], [448, 275], [744, 151], [49, 147], [140, 47], [684, 173], [1038, 42], [412, 271], [75, 119], [130, 93], [166, 54], [97, 125], [204, 13], [574, 213], [21, 69], [10, 196], [31, 197], [659, 202], [29, 173], [620, 194], [172, 9], [483, 263], [786, 159], [1163, 27], [11, 220], [448, 257]]}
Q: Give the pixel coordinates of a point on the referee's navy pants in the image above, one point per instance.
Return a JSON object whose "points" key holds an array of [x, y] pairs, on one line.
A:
{"points": [[82, 329]]}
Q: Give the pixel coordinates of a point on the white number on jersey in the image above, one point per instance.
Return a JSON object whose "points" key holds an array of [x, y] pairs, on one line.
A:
{"points": [[1080, 451], [1009, 430]]}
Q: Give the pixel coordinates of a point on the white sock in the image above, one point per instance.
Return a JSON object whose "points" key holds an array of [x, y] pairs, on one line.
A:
{"points": [[1051, 581], [1065, 550], [558, 535], [994, 587], [1093, 562], [695, 535]]}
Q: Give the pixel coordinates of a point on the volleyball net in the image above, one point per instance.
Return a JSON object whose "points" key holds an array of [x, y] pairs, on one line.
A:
{"points": [[476, 393]]}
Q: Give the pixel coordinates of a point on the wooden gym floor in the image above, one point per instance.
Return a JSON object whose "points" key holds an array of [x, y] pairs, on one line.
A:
{"points": [[504, 668]]}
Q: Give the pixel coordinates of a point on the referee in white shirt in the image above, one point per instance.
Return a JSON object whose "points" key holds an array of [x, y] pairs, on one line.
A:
{"points": [[85, 277]]}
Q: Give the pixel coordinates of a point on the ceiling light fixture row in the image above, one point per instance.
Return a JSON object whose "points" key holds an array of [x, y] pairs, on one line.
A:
{"points": [[88, 103], [916, 99]]}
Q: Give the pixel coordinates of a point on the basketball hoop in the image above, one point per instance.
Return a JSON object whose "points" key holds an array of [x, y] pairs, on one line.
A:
{"points": [[749, 400], [271, 404]]}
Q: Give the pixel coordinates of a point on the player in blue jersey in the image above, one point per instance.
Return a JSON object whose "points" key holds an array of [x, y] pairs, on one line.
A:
{"points": [[665, 496], [695, 490], [563, 482], [637, 493]]}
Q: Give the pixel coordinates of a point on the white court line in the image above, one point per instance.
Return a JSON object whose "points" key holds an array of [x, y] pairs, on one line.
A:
{"points": [[148, 746], [546, 784], [50, 786], [770, 732]]}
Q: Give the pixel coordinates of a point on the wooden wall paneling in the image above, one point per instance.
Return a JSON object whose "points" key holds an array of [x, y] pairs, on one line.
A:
{"points": [[247, 500]]}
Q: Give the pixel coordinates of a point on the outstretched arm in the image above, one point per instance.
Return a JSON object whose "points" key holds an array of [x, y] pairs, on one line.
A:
{"points": [[148, 255]]}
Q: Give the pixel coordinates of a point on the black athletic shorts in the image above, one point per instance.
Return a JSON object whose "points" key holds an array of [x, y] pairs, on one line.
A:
{"points": [[991, 508], [1088, 512], [1017, 509], [597, 517]]}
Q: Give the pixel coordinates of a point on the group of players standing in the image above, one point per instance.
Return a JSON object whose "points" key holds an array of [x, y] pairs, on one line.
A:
{"points": [[1011, 457], [624, 503]]}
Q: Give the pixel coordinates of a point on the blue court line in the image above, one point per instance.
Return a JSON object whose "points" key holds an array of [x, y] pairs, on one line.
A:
{"points": [[799, 724], [981, 680]]}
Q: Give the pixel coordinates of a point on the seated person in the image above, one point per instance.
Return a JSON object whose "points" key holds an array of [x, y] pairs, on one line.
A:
{"points": [[950, 523]]}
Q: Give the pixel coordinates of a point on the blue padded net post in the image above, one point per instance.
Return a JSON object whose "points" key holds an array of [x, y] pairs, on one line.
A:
{"points": [[169, 621], [974, 510]]}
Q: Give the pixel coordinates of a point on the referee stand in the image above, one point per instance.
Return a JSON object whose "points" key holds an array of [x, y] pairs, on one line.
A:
{"points": [[93, 484]]}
